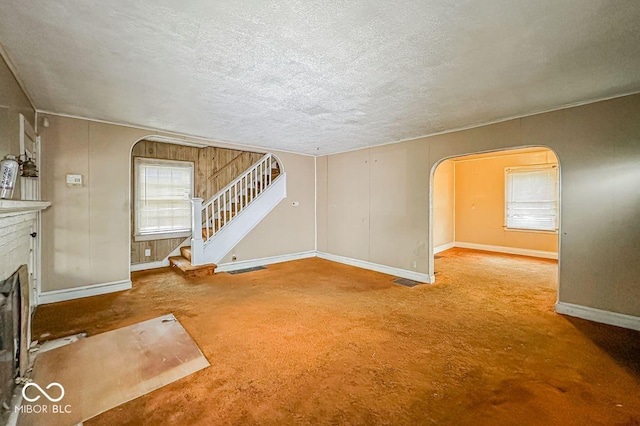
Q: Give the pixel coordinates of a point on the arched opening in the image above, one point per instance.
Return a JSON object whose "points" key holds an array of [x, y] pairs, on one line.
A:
{"points": [[501, 203], [201, 171]]}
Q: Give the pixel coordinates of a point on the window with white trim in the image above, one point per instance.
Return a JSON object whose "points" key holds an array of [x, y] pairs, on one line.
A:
{"points": [[163, 190], [531, 199]]}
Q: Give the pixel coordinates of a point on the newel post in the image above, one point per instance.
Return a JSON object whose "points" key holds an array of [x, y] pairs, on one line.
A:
{"points": [[197, 244]]}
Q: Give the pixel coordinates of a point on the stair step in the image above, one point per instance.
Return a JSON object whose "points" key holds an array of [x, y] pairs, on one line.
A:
{"points": [[228, 214], [186, 252], [232, 208], [211, 231], [217, 224], [184, 266], [245, 199]]}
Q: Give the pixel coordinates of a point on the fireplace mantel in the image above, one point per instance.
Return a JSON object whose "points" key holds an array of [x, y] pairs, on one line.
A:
{"points": [[21, 206]]}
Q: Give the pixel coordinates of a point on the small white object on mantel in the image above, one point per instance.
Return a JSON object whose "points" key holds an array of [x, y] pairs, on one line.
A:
{"points": [[22, 206]]}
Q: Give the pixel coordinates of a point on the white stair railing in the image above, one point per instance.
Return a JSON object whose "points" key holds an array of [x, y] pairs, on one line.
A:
{"points": [[210, 217]]}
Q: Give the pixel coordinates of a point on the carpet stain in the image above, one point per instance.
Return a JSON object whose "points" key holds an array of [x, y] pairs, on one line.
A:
{"points": [[316, 342]]}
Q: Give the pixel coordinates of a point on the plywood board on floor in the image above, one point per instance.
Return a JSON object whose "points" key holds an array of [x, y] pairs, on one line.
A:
{"points": [[108, 369]]}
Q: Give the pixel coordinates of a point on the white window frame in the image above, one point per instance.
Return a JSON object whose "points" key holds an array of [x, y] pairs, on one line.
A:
{"points": [[148, 236], [507, 196]]}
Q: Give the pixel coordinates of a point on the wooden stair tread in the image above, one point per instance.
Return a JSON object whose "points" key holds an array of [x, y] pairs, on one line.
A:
{"points": [[185, 267]]}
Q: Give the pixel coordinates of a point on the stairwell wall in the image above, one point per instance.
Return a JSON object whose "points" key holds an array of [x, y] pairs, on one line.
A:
{"points": [[378, 198], [86, 231], [214, 168], [287, 229]]}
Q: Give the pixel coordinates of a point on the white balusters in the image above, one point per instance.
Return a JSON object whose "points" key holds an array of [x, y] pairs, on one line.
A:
{"points": [[228, 203]]}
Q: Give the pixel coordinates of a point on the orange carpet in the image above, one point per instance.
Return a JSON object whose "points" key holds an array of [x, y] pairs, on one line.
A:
{"points": [[315, 342]]}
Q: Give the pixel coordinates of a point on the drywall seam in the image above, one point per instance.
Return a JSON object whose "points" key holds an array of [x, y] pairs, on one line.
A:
{"points": [[243, 264], [369, 200], [315, 202], [85, 291], [598, 315], [390, 270], [89, 183], [508, 250]]}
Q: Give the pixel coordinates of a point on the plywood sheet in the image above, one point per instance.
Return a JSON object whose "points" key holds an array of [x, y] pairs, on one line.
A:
{"points": [[106, 370]]}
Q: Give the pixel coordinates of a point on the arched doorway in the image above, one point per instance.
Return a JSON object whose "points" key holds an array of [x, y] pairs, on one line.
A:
{"points": [[502, 201]]}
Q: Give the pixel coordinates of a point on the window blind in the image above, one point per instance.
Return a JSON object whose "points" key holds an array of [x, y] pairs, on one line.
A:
{"points": [[532, 198], [163, 193]]}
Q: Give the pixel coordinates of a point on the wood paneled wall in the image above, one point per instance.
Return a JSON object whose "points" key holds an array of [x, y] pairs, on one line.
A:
{"points": [[214, 168]]}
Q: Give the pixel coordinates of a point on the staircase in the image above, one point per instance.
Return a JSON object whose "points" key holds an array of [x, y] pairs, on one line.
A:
{"points": [[224, 220]]}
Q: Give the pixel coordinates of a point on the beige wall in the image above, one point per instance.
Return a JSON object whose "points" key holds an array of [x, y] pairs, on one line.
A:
{"points": [[86, 237], [480, 193], [377, 208], [13, 102], [378, 198], [287, 229], [322, 203], [444, 203]]}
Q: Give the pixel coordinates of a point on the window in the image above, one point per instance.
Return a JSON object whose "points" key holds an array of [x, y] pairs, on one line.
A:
{"points": [[163, 190], [532, 198]]}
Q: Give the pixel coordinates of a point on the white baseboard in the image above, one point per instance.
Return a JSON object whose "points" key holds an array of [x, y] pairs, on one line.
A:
{"points": [[597, 315], [390, 270], [85, 291], [509, 250], [149, 265], [443, 247], [244, 264]]}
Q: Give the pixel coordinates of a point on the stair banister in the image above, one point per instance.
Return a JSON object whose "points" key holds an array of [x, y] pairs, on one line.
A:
{"points": [[256, 179], [233, 182], [197, 243]]}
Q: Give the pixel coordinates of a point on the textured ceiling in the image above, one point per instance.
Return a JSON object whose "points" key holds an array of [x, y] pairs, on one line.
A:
{"points": [[319, 76]]}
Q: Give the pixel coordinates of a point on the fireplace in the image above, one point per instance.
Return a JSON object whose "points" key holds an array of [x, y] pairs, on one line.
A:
{"points": [[14, 319], [20, 241]]}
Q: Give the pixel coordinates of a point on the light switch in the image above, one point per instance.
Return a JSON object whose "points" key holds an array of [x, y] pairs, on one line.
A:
{"points": [[74, 180]]}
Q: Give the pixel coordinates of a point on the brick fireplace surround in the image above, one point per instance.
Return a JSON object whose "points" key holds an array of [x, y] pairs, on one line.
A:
{"points": [[18, 220]]}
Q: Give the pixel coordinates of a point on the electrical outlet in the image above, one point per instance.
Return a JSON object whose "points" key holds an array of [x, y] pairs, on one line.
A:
{"points": [[147, 252], [414, 264], [233, 258]]}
